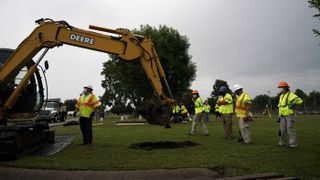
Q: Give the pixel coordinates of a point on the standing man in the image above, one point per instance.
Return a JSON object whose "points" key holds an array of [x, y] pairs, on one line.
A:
{"points": [[207, 109], [226, 108], [287, 102], [86, 105], [176, 112], [243, 106], [198, 118]]}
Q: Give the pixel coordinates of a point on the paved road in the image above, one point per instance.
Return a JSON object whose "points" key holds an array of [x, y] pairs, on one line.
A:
{"points": [[61, 123], [157, 174]]}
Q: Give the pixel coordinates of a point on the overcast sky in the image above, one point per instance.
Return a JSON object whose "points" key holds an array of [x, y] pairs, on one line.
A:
{"points": [[251, 42]]}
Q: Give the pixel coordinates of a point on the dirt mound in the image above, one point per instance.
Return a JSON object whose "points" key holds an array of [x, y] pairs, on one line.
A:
{"points": [[163, 145]]}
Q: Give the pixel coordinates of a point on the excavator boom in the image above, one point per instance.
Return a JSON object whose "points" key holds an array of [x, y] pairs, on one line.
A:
{"points": [[50, 34], [21, 98]]}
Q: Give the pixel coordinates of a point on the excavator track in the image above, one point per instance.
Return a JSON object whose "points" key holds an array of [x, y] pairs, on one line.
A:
{"points": [[22, 139]]}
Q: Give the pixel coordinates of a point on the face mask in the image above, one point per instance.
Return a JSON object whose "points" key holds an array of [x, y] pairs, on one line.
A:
{"points": [[85, 91], [280, 90], [194, 96]]}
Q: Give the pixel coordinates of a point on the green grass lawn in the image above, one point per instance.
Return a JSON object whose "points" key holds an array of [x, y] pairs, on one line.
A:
{"points": [[111, 149]]}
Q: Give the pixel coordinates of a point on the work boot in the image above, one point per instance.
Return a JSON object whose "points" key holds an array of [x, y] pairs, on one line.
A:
{"points": [[293, 146], [190, 134], [167, 126]]}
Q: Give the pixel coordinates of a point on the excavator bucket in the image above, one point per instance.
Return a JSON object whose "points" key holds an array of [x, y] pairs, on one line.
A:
{"points": [[159, 115]]}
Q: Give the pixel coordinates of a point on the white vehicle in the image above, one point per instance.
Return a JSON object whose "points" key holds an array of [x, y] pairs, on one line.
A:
{"points": [[52, 110]]}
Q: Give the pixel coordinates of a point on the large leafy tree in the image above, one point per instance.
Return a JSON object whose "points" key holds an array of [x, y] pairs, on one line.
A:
{"points": [[216, 86], [127, 83], [260, 102], [315, 4]]}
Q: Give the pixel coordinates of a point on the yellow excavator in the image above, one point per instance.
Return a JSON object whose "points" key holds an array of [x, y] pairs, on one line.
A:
{"points": [[21, 87]]}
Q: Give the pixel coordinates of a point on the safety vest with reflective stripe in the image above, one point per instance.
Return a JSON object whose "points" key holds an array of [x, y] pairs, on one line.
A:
{"points": [[217, 107], [227, 108], [198, 106], [286, 101], [206, 108], [241, 104], [86, 104]]}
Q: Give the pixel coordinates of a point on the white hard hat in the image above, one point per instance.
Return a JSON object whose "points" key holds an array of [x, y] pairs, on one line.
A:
{"points": [[89, 86], [236, 87]]}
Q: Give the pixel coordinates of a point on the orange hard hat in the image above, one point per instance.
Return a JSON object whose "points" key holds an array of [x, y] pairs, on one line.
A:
{"points": [[195, 91], [283, 84]]}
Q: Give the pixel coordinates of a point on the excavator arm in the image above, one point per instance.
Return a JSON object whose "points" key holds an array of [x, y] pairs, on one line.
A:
{"points": [[50, 34]]}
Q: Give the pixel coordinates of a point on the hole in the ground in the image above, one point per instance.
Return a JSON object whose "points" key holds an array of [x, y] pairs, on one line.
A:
{"points": [[163, 145]]}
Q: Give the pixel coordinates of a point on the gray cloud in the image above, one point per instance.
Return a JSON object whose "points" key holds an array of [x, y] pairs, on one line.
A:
{"points": [[255, 43]]}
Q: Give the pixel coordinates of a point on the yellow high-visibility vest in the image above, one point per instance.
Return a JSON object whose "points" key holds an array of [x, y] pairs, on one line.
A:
{"points": [[241, 104], [227, 108], [183, 109], [217, 107], [286, 101], [198, 106], [206, 108], [175, 109], [86, 104]]}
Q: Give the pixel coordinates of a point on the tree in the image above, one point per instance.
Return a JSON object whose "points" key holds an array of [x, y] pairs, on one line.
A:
{"points": [[315, 4], [217, 85], [118, 108], [126, 82], [70, 104], [314, 99], [259, 102]]}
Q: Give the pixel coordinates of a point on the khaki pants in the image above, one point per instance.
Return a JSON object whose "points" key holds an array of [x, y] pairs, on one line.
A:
{"points": [[227, 123], [288, 127], [198, 118], [244, 130]]}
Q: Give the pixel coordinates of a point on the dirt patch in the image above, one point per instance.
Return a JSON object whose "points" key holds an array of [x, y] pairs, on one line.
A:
{"points": [[163, 145]]}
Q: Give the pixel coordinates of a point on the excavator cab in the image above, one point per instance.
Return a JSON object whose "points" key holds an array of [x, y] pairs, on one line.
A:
{"points": [[32, 97], [16, 131]]}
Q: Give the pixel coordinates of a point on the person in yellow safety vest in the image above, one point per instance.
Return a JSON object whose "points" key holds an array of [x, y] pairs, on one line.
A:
{"points": [[86, 106], [206, 108], [242, 108], [217, 109], [226, 108], [198, 117], [184, 113], [175, 112], [287, 102]]}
